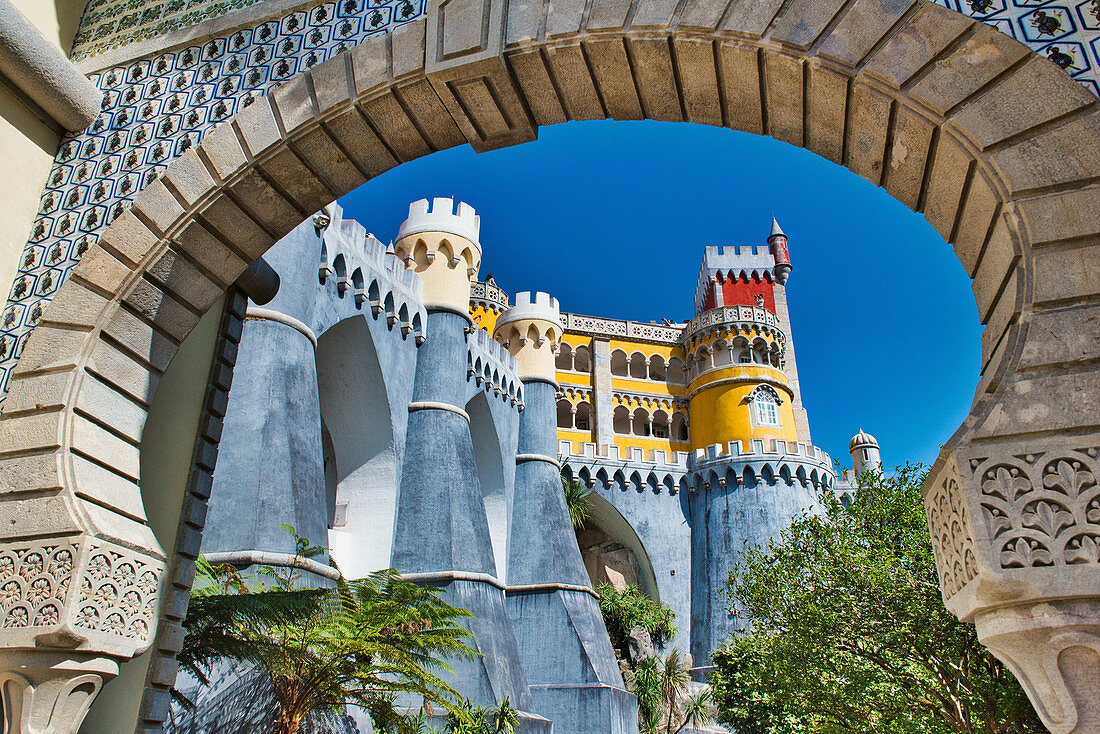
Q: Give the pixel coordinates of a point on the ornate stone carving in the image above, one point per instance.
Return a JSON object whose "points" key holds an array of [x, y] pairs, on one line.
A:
{"points": [[952, 538], [74, 591], [1043, 510], [49, 692]]}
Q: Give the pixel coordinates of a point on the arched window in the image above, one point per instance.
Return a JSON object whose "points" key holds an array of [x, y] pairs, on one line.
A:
{"points": [[619, 365], [675, 371], [565, 357], [721, 353], [765, 406], [679, 427], [638, 366], [582, 359], [621, 420], [657, 368], [565, 414], [660, 424], [641, 422], [584, 417]]}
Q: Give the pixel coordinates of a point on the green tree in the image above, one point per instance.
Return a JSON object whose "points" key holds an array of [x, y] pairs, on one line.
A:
{"points": [[663, 689], [320, 650], [848, 632]]}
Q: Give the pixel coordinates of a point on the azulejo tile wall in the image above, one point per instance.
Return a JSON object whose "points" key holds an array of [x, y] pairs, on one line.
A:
{"points": [[156, 107]]}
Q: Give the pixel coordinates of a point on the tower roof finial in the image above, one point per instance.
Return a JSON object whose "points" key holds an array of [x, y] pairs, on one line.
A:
{"points": [[776, 229]]}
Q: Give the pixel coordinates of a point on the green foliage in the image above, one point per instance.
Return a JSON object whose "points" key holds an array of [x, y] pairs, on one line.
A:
{"points": [[578, 500], [362, 643], [625, 610], [848, 631], [469, 719], [662, 690]]}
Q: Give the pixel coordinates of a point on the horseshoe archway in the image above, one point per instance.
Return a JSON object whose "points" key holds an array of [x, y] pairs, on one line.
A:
{"points": [[995, 145]]}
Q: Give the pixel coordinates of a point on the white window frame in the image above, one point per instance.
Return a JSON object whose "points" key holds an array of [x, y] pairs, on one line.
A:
{"points": [[766, 396]]}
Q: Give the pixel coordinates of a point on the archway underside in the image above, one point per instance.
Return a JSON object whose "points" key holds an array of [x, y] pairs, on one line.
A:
{"points": [[998, 148]]}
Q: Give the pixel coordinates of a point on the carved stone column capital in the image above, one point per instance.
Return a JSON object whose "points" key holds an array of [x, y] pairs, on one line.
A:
{"points": [[49, 691]]}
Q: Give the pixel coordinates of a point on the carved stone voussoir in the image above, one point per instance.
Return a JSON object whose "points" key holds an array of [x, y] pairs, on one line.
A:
{"points": [[78, 593]]}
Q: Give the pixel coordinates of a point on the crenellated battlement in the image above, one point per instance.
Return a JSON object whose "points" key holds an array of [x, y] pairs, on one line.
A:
{"points": [[442, 215], [360, 265], [532, 307], [492, 368]]}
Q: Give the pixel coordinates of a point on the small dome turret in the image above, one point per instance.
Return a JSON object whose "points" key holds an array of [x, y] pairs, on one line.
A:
{"points": [[865, 453]]}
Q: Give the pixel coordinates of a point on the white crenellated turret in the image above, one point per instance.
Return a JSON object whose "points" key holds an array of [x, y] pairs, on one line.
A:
{"points": [[865, 453], [531, 331], [441, 245], [442, 217]]}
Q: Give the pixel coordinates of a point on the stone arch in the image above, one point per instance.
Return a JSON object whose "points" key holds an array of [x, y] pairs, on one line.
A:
{"points": [[490, 471], [608, 536], [995, 145], [356, 410]]}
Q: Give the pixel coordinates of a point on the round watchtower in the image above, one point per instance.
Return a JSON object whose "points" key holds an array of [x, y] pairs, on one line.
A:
{"points": [[531, 331], [440, 243], [865, 453]]}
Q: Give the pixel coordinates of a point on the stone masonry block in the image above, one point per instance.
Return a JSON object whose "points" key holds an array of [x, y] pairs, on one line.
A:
{"points": [[356, 137], [40, 392], [1025, 406], [828, 106], [1056, 156], [535, 85], [394, 127], [158, 205], [210, 252], [407, 49], [427, 109], [803, 21], [739, 76], [523, 21], [1064, 336], [751, 17], [107, 489], [123, 371], [183, 572], [460, 32], [656, 79], [1062, 216], [783, 83], [951, 80], [129, 238], [75, 305], [222, 148], [180, 277], [270, 207], [223, 216], [1004, 314], [39, 473], [977, 216], [170, 637], [189, 176], [339, 172], [52, 348], [162, 310], [93, 440], [919, 40], [293, 100], [39, 432], [1065, 275], [946, 181], [565, 18], [332, 84], [257, 127], [699, 80], [112, 408], [293, 177], [140, 338], [653, 13], [102, 270], [997, 263], [570, 72], [702, 14], [154, 705], [1035, 93], [615, 78], [608, 15], [162, 670], [908, 156], [868, 119], [862, 26], [370, 64], [36, 516]]}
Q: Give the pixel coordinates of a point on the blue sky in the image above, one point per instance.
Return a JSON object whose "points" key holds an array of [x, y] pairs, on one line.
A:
{"points": [[611, 219]]}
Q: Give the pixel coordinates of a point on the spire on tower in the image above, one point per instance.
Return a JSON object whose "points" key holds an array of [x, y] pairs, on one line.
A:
{"points": [[776, 229], [777, 243]]}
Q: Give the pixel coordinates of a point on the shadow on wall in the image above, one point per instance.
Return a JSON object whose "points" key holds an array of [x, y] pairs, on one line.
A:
{"points": [[612, 550]]}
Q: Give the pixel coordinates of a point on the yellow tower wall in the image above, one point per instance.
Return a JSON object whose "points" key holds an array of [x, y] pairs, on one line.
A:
{"points": [[723, 413]]}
